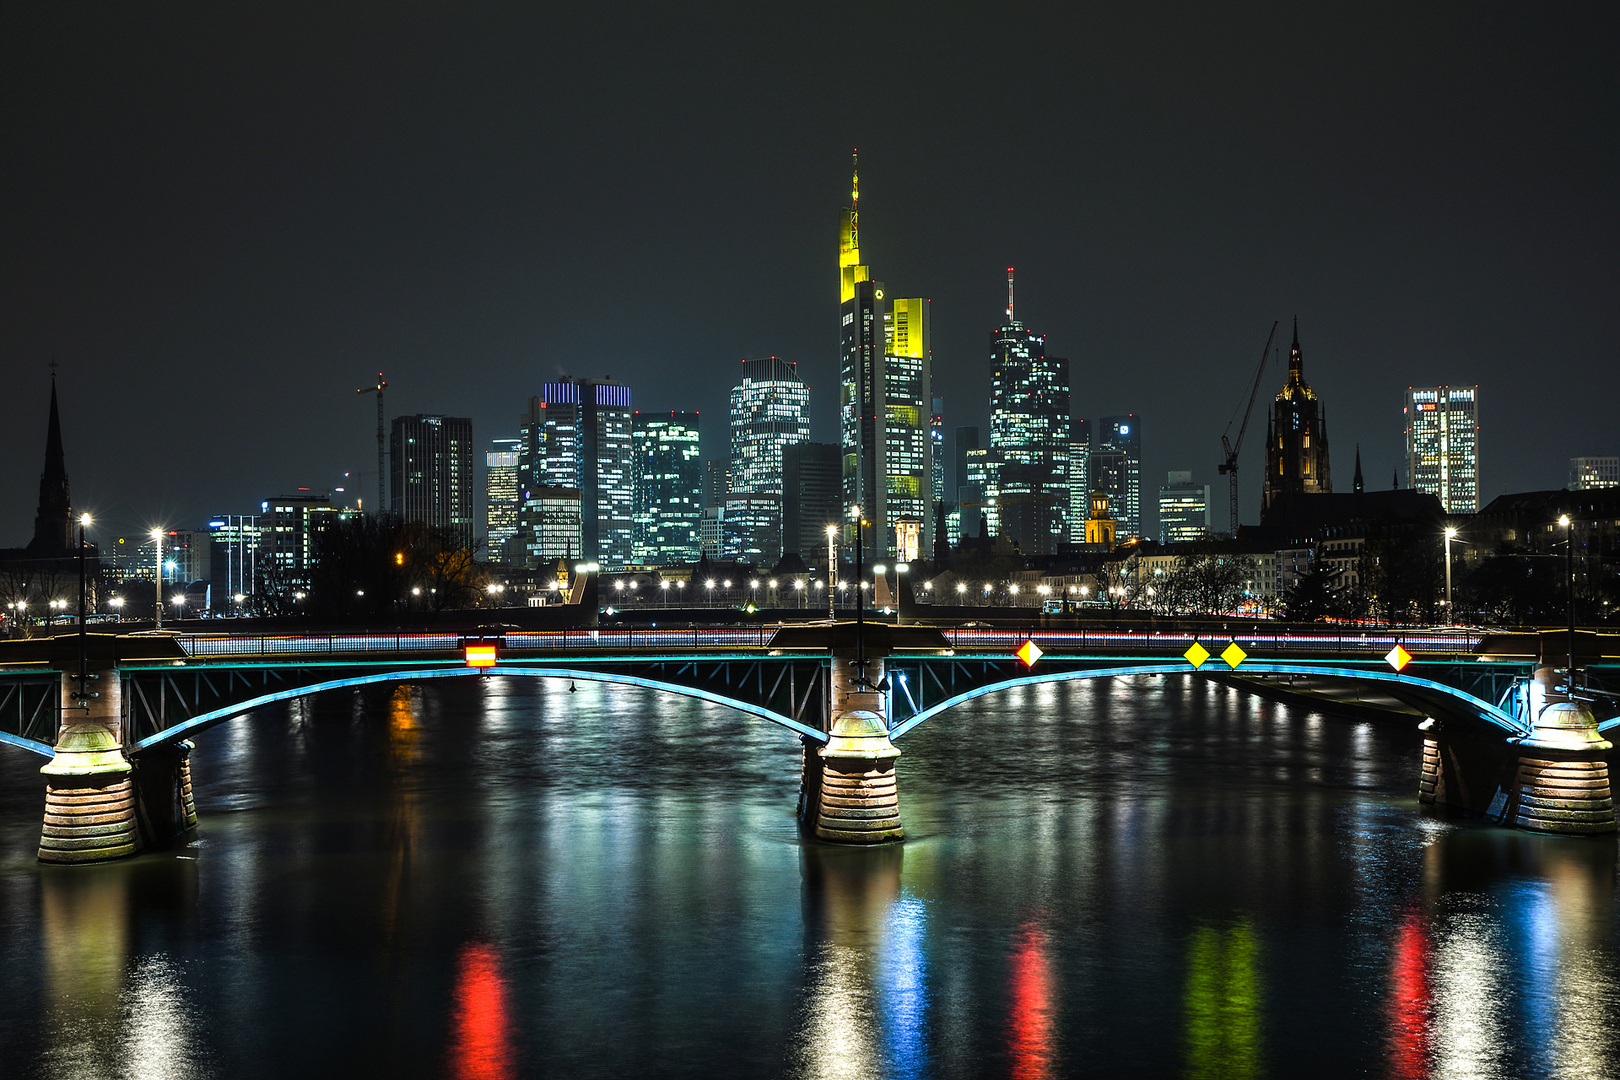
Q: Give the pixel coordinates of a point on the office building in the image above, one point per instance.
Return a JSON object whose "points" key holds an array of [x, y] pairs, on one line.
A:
{"points": [[431, 472], [290, 527], [1183, 509], [1116, 470], [769, 412], [502, 493], [886, 390], [1586, 473], [936, 441], [716, 481], [577, 435], [554, 526], [669, 487], [810, 486], [1296, 437], [1079, 479], [233, 555], [1029, 435], [752, 530], [1442, 445]]}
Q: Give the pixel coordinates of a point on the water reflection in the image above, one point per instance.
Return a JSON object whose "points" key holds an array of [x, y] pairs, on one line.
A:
{"points": [[1410, 1005], [1031, 1023], [106, 1014], [1222, 1004], [482, 1022], [848, 895]]}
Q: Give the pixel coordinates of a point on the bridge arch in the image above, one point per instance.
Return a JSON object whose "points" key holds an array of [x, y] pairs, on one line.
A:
{"points": [[215, 717], [1474, 707]]}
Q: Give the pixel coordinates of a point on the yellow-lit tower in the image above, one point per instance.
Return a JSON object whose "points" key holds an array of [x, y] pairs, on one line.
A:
{"points": [[886, 387]]}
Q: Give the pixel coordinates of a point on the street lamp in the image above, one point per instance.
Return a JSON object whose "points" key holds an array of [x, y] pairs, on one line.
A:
{"points": [[1569, 560], [832, 567], [1451, 534], [157, 572]]}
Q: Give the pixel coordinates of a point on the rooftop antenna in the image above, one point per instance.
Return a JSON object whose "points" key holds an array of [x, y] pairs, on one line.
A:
{"points": [[382, 384], [1009, 295]]}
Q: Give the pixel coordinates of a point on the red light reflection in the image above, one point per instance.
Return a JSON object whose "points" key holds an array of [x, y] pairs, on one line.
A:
{"points": [[1030, 1037], [483, 1029], [1411, 1005]]}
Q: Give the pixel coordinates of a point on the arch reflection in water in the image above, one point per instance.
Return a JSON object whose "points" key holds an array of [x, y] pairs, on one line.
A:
{"points": [[103, 1018], [1222, 1006]]}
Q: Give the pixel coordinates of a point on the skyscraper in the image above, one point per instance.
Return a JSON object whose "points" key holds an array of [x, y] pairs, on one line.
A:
{"points": [[432, 474], [233, 546], [1442, 445], [577, 434], [936, 441], [1183, 509], [1116, 470], [1029, 434], [1079, 479], [886, 389], [501, 493], [669, 487], [810, 485], [769, 411], [1296, 436], [1586, 473]]}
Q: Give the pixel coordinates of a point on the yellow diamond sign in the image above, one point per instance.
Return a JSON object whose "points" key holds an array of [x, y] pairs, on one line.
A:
{"points": [[1233, 655], [1196, 655], [1029, 652], [1398, 658]]}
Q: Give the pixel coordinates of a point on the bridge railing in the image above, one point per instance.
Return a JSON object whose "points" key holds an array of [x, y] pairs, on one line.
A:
{"points": [[633, 639]]}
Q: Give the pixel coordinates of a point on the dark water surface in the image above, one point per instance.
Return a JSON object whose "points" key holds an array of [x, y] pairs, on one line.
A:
{"points": [[1155, 877]]}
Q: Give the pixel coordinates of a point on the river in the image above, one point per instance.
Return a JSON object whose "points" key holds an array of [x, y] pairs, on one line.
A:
{"points": [[1155, 877]]}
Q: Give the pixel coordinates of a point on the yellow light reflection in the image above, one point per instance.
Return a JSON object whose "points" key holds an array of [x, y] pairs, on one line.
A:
{"points": [[1223, 1004], [848, 894]]}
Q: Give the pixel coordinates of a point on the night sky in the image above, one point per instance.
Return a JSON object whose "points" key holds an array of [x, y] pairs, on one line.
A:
{"points": [[221, 219]]}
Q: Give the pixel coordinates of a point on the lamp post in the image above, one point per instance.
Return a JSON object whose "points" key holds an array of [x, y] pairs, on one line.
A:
{"points": [[1451, 534], [82, 694], [1569, 561], [832, 568], [157, 573]]}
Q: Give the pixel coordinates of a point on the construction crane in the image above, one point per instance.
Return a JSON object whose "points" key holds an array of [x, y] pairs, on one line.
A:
{"points": [[382, 385], [1229, 467]]}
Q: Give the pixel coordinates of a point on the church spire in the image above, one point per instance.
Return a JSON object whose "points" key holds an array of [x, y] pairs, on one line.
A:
{"points": [[1296, 359], [53, 522], [1357, 481]]}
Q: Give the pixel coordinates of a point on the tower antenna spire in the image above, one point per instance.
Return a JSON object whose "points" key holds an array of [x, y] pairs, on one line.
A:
{"points": [[1009, 294], [855, 198]]}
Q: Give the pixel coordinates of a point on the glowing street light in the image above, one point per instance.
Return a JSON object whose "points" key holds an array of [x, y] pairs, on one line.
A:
{"points": [[157, 572], [1451, 534]]}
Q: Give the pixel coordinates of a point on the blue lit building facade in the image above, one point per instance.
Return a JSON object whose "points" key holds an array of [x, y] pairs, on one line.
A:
{"points": [[669, 488]]}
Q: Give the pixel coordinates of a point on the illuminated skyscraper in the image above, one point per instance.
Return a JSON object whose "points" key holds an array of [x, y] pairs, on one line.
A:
{"points": [[1442, 445], [1079, 479], [769, 412], [1116, 470], [886, 390], [810, 475], [431, 468], [1029, 434], [669, 487], [501, 491], [936, 442], [1296, 437], [577, 435]]}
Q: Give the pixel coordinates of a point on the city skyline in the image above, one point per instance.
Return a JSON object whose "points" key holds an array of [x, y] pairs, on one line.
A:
{"points": [[149, 260]]}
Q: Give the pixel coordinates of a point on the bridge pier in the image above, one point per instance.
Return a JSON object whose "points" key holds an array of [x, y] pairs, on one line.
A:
{"points": [[856, 797], [1562, 784], [89, 794], [165, 808]]}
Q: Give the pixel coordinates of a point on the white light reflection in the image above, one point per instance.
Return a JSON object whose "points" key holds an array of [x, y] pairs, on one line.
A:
{"points": [[1469, 1029], [160, 1028]]}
